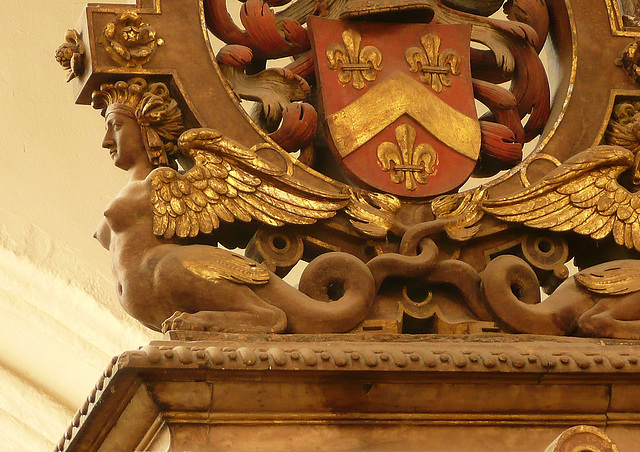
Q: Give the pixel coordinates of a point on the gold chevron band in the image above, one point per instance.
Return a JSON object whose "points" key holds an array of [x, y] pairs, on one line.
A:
{"points": [[396, 95]]}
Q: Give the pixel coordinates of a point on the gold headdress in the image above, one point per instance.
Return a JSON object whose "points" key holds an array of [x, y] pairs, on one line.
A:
{"points": [[157, 113]]}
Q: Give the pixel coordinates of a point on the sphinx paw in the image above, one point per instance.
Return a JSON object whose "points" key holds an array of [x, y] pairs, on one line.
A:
{"points": [[600, 324], [185, 321]]}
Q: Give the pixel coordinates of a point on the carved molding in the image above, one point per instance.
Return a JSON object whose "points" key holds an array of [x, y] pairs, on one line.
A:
{"points": [[507, 355], [425, 358]]}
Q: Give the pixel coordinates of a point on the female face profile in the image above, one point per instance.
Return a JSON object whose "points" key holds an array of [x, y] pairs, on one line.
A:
{"points": [[123, 138]]}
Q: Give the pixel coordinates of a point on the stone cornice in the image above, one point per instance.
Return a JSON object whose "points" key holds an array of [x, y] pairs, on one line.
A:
{"points": [[482, 353], [473, 358]]}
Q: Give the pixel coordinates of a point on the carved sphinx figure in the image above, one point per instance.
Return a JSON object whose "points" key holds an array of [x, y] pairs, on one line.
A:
{"points": [[588, 195], [348, 154], [168, 281], [600, 301]]}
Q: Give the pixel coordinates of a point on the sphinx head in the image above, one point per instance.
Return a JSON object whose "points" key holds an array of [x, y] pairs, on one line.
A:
{"points": [[140, 117]]}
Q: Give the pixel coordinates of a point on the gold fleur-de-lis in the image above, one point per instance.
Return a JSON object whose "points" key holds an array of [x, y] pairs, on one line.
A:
{"points": [[434, 67], [411, 164], [354, 65]]}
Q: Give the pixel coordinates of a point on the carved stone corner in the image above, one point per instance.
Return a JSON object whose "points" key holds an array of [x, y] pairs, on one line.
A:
{"points": [[380, 393]]}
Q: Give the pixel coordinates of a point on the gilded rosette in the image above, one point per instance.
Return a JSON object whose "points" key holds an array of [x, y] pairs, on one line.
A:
{"points": [[129, 41]]}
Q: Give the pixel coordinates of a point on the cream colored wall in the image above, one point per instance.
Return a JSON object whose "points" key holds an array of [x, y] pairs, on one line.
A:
{"points": [[61, 322]]}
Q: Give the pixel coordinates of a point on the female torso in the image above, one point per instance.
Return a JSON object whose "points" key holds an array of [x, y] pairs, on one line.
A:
{"points": [[127, 232]]}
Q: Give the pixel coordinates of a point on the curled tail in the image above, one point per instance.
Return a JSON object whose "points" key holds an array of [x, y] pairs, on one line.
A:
{"points": [[512, 294], [337, 290], [335, 293]]}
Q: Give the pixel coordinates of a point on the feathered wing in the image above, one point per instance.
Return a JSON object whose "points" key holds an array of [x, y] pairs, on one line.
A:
{"points": [[582, 195], [613, 278], [229, 182], [372, 214], [222, 264]]}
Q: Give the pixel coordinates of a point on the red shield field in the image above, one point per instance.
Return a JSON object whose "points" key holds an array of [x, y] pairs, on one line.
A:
{"points": [[398, 103]]}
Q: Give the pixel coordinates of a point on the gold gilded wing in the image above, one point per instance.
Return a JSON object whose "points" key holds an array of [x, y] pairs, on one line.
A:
{"points": [[582, 195], [229, 182], [220, 264], [612, 278], [372, 214]]}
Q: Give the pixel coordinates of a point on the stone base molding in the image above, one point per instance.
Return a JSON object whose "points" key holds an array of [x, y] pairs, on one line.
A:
{"points": [[363, 392]]}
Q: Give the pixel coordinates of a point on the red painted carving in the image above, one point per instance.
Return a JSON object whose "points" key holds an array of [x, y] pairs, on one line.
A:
{"points": [[451, 168]]}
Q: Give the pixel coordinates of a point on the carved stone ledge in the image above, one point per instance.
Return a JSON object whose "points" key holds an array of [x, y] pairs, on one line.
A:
{"points": [[256, 392], [481, 353]]}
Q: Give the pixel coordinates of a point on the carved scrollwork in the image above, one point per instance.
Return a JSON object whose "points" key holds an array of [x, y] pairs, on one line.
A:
{"points": [[354, 65], [129, 41], [277, 90], [232, 180], [624, 126]]}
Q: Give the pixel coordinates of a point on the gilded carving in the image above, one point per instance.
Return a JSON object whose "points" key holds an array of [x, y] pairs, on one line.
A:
{"points": [[399, 95], [353, 64], [405, 161], [228, 183], [623, 277], [338, 193], [373, 214], [629, 60], [624, 127], [434, 65], [354, 165], [583, 195], [129, 41], [70, 55], [463, 213]]}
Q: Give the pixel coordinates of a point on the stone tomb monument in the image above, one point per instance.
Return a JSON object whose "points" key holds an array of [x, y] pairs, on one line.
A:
{"points": [[384, 142]]}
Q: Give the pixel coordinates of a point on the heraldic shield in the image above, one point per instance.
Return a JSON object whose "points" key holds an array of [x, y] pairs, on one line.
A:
{"points": [[398, 103]]}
